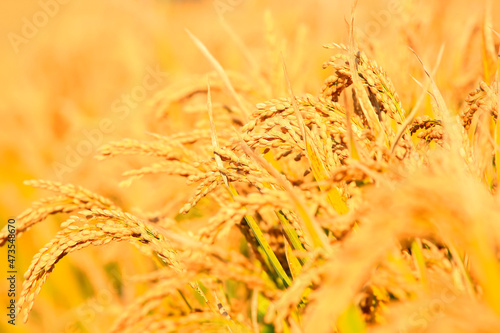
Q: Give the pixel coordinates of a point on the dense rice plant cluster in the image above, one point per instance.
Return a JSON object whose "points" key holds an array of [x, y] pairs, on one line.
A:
{"points": [[340, 211]]}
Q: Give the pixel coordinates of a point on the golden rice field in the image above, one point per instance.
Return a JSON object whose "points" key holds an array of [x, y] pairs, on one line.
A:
{"points": [[250, 166]]}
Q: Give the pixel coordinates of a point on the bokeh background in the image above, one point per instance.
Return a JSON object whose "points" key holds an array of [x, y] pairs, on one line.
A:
{"points": [[65, 66]]}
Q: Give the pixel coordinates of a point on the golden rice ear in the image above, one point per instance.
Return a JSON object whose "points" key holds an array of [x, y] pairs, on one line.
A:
{"points": [[111, 226], [70, 199]]}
